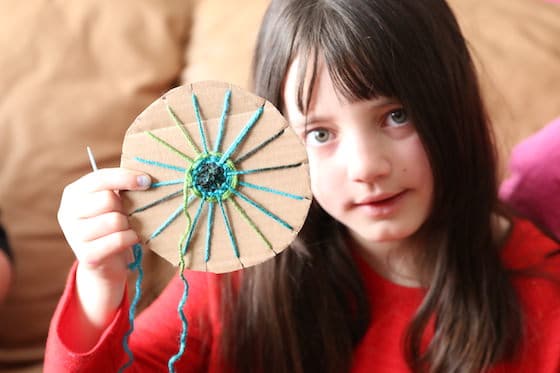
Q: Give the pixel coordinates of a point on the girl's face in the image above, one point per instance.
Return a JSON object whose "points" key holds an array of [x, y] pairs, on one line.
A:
{"points": [[367, 164]]}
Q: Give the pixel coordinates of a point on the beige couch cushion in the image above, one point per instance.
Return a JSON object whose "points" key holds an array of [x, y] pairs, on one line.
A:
{"points": [[73, 74], [516, 46], [222, 42]]}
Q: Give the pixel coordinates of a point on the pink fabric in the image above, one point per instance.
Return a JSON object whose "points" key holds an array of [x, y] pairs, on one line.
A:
{"points": [[533, 187]]}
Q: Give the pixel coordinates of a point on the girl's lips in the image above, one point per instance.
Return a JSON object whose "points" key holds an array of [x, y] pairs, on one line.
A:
{"points": [[380, 206]]}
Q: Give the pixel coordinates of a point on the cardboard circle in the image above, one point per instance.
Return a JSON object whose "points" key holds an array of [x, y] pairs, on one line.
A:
{"points": [[248, 168]]}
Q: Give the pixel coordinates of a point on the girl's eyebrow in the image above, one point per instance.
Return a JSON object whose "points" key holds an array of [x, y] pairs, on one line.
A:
{"points": [[379, 102], [383, 101], [309, 119]]}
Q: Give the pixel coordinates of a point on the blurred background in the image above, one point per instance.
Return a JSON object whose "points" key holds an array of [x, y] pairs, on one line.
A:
{"points": [[77, 73]]}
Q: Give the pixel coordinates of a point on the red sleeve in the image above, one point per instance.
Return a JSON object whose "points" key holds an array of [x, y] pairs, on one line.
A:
{"points": [[153, 342]]}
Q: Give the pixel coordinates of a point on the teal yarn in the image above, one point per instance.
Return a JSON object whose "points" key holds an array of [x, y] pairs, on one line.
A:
{"points": [[225, 111], [229, 231], [263, 210], [166, 183], [199, 122], [160, 164], [135, 265], [212, 176], [209, 226], [271, 190], [184, 326], [239, 139]]}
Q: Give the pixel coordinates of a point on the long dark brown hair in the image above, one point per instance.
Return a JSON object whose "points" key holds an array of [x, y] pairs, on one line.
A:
{"points": [[306, 310]]}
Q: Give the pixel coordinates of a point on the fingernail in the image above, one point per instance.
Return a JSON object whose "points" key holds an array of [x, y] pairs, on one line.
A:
{"points": [[143, 181]]}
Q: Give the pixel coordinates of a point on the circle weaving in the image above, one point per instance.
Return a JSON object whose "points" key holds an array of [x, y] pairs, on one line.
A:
{"points": [[230, 184]]}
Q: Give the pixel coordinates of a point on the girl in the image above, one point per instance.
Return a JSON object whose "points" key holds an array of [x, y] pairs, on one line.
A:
{"points": [[406, 262]]}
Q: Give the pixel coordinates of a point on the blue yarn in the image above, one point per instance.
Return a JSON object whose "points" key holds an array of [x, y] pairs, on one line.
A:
{"points": [[270, 190], [184, 322], [207, 195], [209, 231], [167, 182], [199, 121], [228, 228], [184, 326], [135, 265], [262, 209], [225, 110], [166, 223], [242, 134], [160, 164]]}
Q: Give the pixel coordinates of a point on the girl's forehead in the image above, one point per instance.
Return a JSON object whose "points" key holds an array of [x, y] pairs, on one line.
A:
{"points": [[307, 80]]}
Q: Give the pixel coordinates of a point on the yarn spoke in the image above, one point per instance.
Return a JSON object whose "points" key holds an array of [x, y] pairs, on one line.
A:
{"points": [[209, 224], [157, 202], [239, 139], [167, 182], [166, 223], [183, 129], [170, 147], [221, 128], [251, 223], [263, 210], [265, 169], [160, 164], [260, 146], [270, 190], [228, 229], [196, 108]]}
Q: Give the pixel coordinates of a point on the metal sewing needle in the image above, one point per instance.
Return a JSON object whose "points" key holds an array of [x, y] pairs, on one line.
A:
{"points": [[91, 158]]}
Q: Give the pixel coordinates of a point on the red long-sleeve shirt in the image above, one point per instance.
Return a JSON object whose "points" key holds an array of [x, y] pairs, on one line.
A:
{"points": [[155, 338]]}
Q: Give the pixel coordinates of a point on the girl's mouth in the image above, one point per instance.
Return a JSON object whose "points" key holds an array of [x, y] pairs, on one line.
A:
{"points": [[381, 206]]}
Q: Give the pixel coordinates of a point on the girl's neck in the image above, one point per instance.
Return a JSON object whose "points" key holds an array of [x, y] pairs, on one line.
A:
{"points": [[393, 260], [396, 260]]}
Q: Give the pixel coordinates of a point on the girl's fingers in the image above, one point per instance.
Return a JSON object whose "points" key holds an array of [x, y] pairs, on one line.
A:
{"points": [[110, 179], [92, 219], [95, 227], [95, 193], [100, 250], [91, 204], [98, 203]]}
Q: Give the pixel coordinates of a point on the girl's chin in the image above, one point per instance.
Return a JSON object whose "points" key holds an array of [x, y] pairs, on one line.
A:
{"points": [[370, 239]]}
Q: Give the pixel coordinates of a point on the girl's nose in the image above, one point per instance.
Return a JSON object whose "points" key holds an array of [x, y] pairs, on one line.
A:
{"points": [[367, 160]]}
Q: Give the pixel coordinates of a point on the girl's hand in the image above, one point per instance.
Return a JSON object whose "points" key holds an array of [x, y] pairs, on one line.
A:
{"points": [[96, 227]]}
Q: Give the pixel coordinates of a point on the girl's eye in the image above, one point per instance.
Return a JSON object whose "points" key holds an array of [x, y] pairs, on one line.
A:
{"points": [[318, 136], [397, 118]]}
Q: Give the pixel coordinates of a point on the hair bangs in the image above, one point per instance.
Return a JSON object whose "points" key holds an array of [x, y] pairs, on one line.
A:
{"points": [[332, 36]]}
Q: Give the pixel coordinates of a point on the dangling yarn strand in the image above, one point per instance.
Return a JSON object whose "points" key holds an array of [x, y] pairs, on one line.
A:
{"points": [[135, 265]]}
